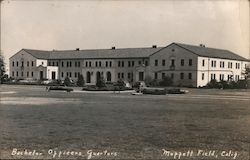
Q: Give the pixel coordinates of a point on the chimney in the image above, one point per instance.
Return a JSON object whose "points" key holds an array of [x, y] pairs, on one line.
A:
{"points": [[77, 49], [202, 45], [154, 46], [113, 47]]}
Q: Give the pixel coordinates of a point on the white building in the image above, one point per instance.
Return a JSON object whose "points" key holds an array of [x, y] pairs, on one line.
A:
{"points": [[187, 65]]}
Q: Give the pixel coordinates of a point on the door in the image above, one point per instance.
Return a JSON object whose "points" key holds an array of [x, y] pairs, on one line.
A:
{"points": [[141, 76], [53, 75], [41, 75]]}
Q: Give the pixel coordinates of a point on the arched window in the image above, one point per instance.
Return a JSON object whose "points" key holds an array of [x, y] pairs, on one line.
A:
{"points": [[98, 76], [108, 76], [88, 77]]}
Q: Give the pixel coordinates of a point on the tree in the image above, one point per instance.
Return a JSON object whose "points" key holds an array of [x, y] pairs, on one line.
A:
{"points": [[67, 81], [2, 69], [100, 82], [80, 81], [247, 72]]}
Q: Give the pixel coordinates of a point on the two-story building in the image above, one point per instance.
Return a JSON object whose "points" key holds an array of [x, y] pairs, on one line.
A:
{"points": [[187, 65]]}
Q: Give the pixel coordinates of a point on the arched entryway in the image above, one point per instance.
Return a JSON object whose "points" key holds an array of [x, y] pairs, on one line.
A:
{"points": [[98, 76], [88, 77], [108, 76]]}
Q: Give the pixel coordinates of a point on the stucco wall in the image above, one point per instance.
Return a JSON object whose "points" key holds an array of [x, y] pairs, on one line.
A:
{"points": [[177, 53]]}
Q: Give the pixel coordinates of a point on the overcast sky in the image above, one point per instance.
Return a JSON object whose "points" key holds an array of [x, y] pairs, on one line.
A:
{"points": [[71, 24]]}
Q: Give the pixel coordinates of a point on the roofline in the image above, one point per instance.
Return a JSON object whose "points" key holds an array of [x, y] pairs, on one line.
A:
{"points": [[25, 51], [214, 56], [160, 49], [33, 55], [98, 58]]}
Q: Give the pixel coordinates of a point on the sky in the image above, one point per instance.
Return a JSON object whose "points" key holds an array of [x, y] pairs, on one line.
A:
{"points": [[96, 24]]}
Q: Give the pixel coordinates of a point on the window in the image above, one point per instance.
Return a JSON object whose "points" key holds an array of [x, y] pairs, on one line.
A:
{"points": [[75, 74], [27, 74], [156, 75], [237, 65], [110, 64], [122, 75], [122, 63], [75, 64], [203, 62], [32, 74], [221, 64], [172, 75], [62, 64], [17, 73], [230, 64], [56, 63], [70, 63], [213, 63], [172, 62], [189, 75], [32, 63], [119, 63], [129, 63], [22, 63], [69, 74], [190, 62], [163, 62], [90, 63], [213, 76], [22, 74], [146, 63], [13, 74], [100, 63], [181, 75], [107, 63], [13, 64], [17, 63], [139, 62], [162, 75], [202, 76], [156, 62], [42, 63], [28, 64], [62, 74], [133, 63], [182, 62], [221, 77], [129, 76], [119, 75], [96, 63]]}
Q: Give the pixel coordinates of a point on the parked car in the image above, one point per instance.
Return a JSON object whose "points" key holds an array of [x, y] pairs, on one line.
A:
{"points": [[59, 88], [176, 91], [139, 84], [154, 91]]}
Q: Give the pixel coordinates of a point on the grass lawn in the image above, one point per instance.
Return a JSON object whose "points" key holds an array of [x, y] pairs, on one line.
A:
{"points": [[136, 127]]}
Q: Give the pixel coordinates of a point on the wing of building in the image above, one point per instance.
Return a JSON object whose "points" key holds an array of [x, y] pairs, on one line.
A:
{"points": [[187, 65]]}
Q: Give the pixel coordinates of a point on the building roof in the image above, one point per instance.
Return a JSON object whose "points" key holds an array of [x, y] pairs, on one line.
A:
{"points": [[39, 54], [104, 53], [131, 53], [211, 52]]}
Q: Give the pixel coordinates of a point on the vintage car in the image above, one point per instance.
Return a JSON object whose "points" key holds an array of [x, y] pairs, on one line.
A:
{"points": [[58, 88]]}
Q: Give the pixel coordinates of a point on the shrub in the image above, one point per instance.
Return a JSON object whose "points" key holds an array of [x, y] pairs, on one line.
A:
{"points": [[148, 80], [80, 81], [166, 81], [100, 82], [67, 81]]}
